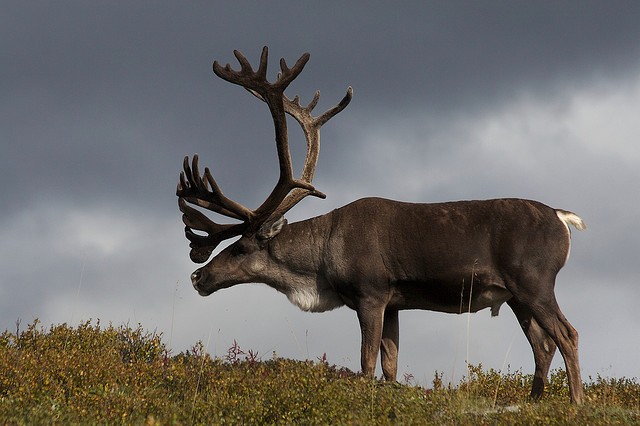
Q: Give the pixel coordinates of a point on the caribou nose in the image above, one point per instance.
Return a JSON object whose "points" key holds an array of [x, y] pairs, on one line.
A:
{"points": [[197, 280], [195, 277]]}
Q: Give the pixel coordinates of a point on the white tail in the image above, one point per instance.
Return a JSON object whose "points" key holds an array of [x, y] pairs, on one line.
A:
{"points": [[570, 218]]}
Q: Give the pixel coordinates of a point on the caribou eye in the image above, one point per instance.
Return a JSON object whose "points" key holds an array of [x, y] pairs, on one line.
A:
{"points": [[239, 249]]}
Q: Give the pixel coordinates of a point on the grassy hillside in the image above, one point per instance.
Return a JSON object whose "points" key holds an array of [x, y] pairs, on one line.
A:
{"points": [[121, 375]]}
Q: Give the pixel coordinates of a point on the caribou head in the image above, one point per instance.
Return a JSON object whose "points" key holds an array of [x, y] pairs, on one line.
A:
{"points": [[243, 261], [380, 256]]}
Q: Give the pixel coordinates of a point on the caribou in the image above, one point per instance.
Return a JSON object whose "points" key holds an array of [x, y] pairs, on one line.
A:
{"points": [[378, 256]]}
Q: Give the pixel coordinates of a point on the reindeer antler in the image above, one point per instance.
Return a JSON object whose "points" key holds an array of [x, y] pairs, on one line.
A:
{"points": [[288, 191], [311, 128]]}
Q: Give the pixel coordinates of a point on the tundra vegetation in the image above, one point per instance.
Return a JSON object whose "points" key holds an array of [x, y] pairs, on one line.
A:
{"points": [[95, 374]]}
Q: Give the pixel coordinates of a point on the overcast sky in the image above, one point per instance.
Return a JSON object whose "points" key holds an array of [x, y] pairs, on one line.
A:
{"points": [[100, 101]]}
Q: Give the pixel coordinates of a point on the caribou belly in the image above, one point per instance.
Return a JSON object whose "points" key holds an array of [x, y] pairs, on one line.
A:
{"points": [[449, 297]]}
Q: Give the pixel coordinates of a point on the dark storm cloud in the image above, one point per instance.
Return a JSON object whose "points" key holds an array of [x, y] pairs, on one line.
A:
{"points": [[99, 102], [97, 90]]}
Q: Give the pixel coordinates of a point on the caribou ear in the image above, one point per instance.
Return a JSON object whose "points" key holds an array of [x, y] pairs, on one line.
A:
{"points": [[271, 228]]}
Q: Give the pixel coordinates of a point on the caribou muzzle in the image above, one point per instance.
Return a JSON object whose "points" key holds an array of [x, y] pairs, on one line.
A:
{"points": [[197, 280]]}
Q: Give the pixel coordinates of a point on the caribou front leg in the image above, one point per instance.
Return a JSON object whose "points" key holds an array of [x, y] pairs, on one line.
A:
{"points": [[370, 316], [389, 345]]}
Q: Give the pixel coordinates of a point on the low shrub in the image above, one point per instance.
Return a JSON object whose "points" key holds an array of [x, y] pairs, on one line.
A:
{"points": [[93, 374]]}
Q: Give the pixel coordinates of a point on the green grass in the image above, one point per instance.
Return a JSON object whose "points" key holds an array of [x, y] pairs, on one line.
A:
{"points": [[121, 375]]}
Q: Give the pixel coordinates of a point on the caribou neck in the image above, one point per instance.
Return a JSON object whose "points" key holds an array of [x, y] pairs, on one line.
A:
{"points": [[294, 259]]}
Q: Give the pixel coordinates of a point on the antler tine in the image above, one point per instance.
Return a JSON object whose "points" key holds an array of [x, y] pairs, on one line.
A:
{"points": [[203, 245], [287, 75], [336, 109], [195, 189], [257, 80], [294, 104], [313, 103], [245, 76]]}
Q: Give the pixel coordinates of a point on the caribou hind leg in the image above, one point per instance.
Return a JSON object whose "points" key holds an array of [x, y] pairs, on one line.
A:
{"points": [[541, 343], [566, 337], [539, 299]]}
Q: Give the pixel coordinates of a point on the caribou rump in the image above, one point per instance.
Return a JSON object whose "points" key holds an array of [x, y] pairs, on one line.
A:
{"points": [[379, 256]]}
